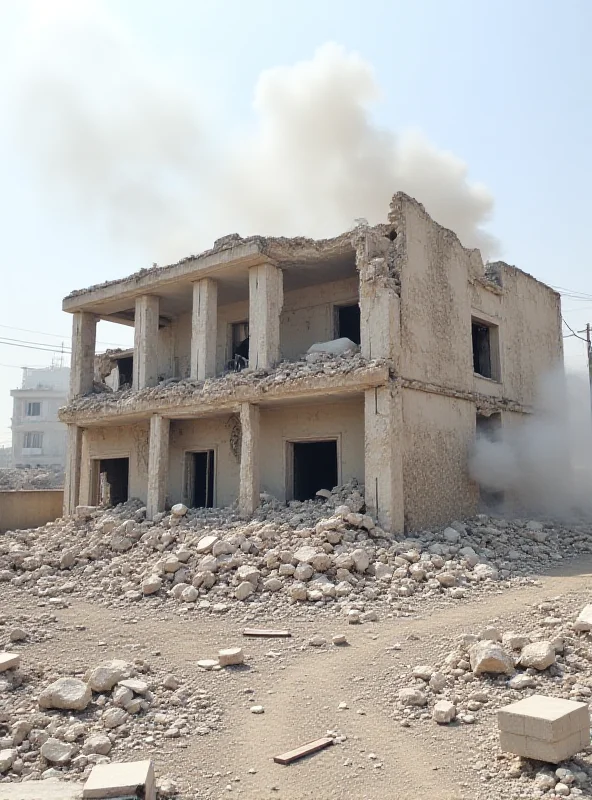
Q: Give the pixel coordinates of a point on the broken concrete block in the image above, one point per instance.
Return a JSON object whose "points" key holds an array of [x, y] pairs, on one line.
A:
{"points": [[544, 728], [104, 677], [584, 620], [48, 789], [444, 712], [336, 347], [134, 778], [231, 657], [69, 694], [488, 656], [179, 510], [9, 661], [539, 655]]}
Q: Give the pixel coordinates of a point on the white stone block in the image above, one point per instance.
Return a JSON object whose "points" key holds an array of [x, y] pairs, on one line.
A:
{"points": [[9, 661], [119, 780]]}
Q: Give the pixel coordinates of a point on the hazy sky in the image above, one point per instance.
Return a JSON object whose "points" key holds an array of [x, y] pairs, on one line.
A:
{"points": [[135, 132]]}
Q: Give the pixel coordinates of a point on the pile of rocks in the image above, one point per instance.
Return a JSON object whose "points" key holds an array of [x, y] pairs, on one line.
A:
{"points": [[316, 552], [31, 478], [494, 668], [65, 726]]}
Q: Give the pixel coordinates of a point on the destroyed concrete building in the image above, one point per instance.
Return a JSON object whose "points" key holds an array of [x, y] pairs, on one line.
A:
{"points": [[38, 437], [220, 398]]}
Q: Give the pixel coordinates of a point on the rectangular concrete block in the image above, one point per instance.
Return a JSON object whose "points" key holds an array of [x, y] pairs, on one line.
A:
{"points": [[549, 719], [9, 661], [49, 789], [134, 778], [553, 752]]}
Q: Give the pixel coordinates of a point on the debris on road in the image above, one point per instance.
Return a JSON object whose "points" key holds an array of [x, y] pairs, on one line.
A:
{"points": [[304, 750]]}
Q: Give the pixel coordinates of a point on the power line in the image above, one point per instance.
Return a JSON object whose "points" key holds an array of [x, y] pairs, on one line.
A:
{"points": [[573, 333], [28, 347], [54, 335]]}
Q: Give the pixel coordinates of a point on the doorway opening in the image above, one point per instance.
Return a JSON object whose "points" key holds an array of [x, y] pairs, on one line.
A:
{"points": [[489, 428], [125, 368], [314, 467], [200, 479], [113, 480], [347, 322], [239, 346]]}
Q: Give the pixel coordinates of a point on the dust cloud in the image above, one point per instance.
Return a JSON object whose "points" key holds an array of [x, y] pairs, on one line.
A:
{"points": [[543, 465], [148, 160]]}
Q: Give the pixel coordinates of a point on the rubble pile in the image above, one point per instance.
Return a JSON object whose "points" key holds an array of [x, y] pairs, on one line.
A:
{"points": [[31, 478], [315, 552], [315, 365], [492, 668], [56, 726]]}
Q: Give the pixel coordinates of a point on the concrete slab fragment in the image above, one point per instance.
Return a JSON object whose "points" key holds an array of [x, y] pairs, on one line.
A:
{"points": [[549, 719], [41, 790], [9, 661], [118, 780]]}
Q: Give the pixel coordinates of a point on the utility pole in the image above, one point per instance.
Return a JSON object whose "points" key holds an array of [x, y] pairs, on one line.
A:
{"points": [[589, 343]]}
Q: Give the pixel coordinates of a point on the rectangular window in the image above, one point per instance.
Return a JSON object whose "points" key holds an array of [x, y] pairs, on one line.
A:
{"points": [[485, 349], [33, 441], [33, 409]]}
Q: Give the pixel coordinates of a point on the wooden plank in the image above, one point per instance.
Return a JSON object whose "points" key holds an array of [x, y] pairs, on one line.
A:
{"points": [[269, 633], [305, 750]]}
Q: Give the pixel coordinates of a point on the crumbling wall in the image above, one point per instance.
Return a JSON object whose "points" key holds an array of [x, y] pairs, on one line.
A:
{"points": [[438, 434], [129, 441], [211, 433], [532, 344], [436, 342], [343, 420]]}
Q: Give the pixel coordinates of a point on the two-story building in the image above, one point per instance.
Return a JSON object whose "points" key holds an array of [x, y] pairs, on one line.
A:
{"points": [[220, 401], [38, 436]]}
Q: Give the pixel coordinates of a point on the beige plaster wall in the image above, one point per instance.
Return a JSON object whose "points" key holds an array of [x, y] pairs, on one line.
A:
{"points": [[435, 306], [438, 434], [29, 509], [203, 434], [130, 441], [343, 421]]}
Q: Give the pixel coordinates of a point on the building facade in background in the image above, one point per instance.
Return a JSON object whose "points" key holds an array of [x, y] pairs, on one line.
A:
{"points": [[288, 366], [38, 436]]}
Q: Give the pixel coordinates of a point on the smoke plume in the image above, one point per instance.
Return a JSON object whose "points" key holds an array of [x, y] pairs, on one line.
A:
{"points": [[544, 465], [147, 160]]}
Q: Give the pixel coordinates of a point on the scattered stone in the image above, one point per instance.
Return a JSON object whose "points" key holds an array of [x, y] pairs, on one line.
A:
{"points": [[584, 620], [69, 694], [538, 655], [9, 661], [339, 639], [231, 657], [487, 656], [57, 752], [257, 710], [413, 697], [104, 677], [444, 712]]}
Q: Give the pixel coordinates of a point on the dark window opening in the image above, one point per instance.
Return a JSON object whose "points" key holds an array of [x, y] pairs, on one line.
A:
{"points": [[113, 481], [201, 479], [348, 322], [33, 409], [315, 467], [490, 429], [481, 349], [125, 369], [239, 346]]}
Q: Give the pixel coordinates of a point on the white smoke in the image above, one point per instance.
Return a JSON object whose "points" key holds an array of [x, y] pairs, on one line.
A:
{"points": [[543, 465], [148, 160]]}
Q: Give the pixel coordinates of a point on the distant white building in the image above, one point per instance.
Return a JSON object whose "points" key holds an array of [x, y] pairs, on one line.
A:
{"points": [[38, 437]]}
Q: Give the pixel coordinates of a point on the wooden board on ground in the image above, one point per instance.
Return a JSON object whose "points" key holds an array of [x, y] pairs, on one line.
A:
{"points": [[267, 632], [305, 750]]}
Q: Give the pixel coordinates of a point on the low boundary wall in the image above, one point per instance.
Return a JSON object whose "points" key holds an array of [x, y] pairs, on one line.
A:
{"points": [[26, 508]]}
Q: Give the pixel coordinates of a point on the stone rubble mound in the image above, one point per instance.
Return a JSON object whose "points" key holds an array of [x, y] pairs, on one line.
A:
{"points": [[315, 552], [492, 668], [63, 727]]}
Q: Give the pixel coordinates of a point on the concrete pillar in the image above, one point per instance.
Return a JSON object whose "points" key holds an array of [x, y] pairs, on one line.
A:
{"points": [[158, 463], [249, 459], [204, 328], [146, 342], [73, 468], [82, 363], [383, 456], [380, 320], [266, 298]]}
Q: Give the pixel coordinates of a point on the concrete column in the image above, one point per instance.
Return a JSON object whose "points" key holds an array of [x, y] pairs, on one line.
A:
{"points": [[204, 328], [380, 320], [82, 363], [73, 468], [146, 342], [158, 463], [266, 298], [249, 459], [383, 456]]}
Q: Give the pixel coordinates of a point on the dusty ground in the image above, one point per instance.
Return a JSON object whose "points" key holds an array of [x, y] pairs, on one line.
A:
{"points": [[301, 688]]}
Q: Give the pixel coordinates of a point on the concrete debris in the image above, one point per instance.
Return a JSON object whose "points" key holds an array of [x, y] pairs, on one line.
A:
{"points": [[538, 655], [231, 657], [67, 694], [488, 656], [444, 712]]}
